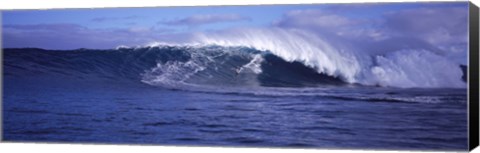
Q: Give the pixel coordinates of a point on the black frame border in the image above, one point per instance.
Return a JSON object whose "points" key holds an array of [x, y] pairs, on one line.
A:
{"points": [[473, 84]]}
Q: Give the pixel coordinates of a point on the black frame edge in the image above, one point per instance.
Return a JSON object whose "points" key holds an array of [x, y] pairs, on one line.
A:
{"points": [[473, 106]]}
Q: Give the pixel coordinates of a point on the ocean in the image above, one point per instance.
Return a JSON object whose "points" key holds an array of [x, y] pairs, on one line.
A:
{"points": [[219, 96]]}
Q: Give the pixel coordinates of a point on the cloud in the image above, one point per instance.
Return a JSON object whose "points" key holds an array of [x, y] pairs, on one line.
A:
{"points": [[312, 18], [438, 25], [327, 23], [197, 20], [39, 27], [446, 28], [72, 36], [339, 8], [106, 19], [435, 25]]}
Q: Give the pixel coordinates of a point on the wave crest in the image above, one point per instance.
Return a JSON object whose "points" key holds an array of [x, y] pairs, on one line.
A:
{"points": [[416, 67]]}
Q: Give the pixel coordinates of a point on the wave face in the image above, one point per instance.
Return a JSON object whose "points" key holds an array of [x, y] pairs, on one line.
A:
{"points": [[168, 66], [291, 62]]}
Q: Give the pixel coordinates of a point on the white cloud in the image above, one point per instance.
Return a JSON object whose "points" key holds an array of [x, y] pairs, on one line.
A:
{"points": [[196, 20]]}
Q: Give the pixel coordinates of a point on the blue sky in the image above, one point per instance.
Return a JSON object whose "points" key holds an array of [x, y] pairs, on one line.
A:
{"points": [[110, 27], [260, 15], [126, 17]]}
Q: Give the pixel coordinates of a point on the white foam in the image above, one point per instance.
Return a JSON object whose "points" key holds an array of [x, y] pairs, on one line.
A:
{"points": [[400, 68], [416, 68], [396, 68], [254, 65], [291, 45]]}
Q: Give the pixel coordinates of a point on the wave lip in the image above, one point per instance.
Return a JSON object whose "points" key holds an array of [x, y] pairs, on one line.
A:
{"points": [[292, 46]]}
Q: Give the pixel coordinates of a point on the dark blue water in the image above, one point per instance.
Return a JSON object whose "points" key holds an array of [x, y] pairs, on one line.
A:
{"points": [[110, 97]]}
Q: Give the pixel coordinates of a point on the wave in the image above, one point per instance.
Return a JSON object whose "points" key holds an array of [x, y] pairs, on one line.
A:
{"points": [[168, 66], [407, 68], [251, 58]]}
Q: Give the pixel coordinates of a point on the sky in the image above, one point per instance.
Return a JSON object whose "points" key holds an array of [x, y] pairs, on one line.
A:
{"points": [[441, 27]]}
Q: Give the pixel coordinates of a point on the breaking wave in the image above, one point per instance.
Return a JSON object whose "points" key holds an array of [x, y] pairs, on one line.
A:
{"points": [[406, 68], [268, 58]]}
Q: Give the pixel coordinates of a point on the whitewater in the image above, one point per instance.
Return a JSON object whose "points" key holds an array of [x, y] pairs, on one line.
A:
{"points": [[414, 67]]}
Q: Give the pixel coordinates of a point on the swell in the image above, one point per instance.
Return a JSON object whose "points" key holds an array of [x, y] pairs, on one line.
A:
{"points": [[90, 64]]}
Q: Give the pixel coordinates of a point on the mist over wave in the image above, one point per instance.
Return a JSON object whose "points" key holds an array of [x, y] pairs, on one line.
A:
{"points": [[416, 66]]}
